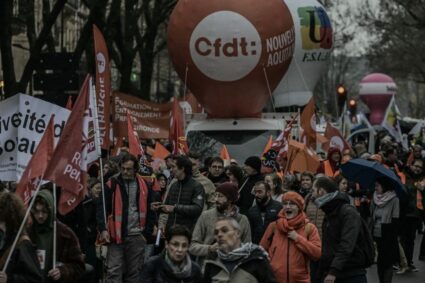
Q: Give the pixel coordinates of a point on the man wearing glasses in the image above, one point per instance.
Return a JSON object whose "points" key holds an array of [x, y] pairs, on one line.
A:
{"points": [[216, 171]]}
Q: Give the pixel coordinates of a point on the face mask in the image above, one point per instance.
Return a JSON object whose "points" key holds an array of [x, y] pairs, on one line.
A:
{"points": [[325, 199]]}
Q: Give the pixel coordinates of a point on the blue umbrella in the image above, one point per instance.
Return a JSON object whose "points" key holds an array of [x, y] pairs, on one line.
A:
{"points": [[366, 172]]}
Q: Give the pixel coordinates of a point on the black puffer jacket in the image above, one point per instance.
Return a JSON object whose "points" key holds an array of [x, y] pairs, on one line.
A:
{"points": [[256, 221], [341, 252], [188, 197], [156, 270]]}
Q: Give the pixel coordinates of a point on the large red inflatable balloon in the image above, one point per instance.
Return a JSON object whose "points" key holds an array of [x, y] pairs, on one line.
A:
{"points": [[376, 91], [231, 53]]}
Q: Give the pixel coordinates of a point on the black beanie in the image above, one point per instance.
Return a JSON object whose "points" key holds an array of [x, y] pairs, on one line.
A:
{"points": [[254, 162]]}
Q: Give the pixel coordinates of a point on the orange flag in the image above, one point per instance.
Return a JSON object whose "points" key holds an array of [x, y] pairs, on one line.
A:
{"points": [[176, 136], [335, 139], [134, 145], [36, 168], [268, 145], [224, 153], [68, 165], [308, 123], [160, 151], [301, 158], [103, 86]]}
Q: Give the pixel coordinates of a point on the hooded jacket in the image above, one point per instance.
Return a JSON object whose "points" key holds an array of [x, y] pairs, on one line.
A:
{"points": [[68, 252], [254, 268], [330, 167], [246, 198], [341, 252], [290, 260]]}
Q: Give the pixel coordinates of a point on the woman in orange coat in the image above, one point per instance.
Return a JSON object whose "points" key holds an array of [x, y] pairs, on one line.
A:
{"points": [[292, 241]]}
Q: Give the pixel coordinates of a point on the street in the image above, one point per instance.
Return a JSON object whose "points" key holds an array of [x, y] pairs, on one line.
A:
{"points": [[411, 277]]}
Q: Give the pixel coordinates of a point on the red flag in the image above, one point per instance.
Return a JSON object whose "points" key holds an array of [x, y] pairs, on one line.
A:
{"points": [[68, 165], [103, 86], [177, 137], [133, 140], [224, 153], [281, 142], [36, 168], [69, 103], [308, 123], [335, 139]]}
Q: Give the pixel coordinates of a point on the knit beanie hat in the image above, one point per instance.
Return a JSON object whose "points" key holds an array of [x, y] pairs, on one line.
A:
{"points": [[254, 162], [229, 190], [294, 197]]}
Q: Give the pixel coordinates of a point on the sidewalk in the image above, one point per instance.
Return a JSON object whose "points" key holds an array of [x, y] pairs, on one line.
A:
{"points": [[410, 277]]}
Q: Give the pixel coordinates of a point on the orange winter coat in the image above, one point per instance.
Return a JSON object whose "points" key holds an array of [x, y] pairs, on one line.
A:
{"points": [[290, 260]]}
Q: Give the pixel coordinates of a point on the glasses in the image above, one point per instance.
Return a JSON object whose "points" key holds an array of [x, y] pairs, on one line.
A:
{"points": [[217, 167], [127, 168], [417, 166], [288, 203]]}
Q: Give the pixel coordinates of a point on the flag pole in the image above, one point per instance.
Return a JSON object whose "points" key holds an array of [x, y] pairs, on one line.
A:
{"points": [[54, 225], [24, 221], [97, 142]]}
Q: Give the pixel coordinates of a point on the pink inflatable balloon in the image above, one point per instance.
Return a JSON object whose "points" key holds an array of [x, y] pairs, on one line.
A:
{"points": [[376, 91]]}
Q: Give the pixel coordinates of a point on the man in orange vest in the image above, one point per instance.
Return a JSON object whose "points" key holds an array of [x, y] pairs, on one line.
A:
{"points": [[330, 167], [129, 221]]}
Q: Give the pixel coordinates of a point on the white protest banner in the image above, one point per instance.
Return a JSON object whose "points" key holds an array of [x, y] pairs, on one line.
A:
{"points": [[23, 120]]}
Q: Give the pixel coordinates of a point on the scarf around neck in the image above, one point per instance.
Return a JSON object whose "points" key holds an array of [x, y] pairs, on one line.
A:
{"points": [[381, 200], [285, 225], [180, 271], [242, 252]]}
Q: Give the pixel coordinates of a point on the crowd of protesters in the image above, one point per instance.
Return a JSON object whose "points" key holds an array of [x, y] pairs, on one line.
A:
{"points": [[221, 221]]}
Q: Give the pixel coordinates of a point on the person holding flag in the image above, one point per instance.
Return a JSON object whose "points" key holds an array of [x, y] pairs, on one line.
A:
{"points": [[70, 260], [23, 266], [129, 221]]}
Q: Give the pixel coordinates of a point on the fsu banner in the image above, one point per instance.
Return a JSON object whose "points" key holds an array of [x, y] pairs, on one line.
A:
{"points": [[150, 120], [103, 86]]}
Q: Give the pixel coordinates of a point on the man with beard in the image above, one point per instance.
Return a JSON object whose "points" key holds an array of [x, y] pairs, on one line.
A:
{"points": [[306, 183], [264, 211], [203, 244]]}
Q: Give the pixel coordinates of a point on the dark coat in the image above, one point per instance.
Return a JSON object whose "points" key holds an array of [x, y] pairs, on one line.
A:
{"points": [[256, 221], [246, 198], [254, 268], [23, 266], [156, 270], [341, 252], [69, 254], [188, 197]]}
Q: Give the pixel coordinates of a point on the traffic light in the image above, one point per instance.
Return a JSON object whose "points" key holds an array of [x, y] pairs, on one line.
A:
{"points": [[341, 93], [352, 108]]}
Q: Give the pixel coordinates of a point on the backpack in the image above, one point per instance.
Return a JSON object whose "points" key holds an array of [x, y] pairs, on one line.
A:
{"points": [[365, 241]]}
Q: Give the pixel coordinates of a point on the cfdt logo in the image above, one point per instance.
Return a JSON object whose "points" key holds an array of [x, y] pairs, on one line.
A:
{"points": [[316, 29], [225, 46]]}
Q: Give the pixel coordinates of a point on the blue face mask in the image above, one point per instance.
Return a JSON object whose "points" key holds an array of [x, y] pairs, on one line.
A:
{"points": [[321, 201]]}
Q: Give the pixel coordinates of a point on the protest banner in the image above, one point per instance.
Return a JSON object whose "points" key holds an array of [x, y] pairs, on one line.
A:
{"points": [[23, 120], [150, 120]]}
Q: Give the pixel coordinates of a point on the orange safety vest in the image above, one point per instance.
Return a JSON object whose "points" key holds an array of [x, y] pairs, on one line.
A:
{"points": [[328, 169], [400, 174], [419, 198], [115, 219]]}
